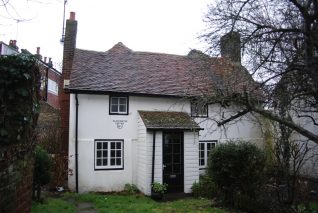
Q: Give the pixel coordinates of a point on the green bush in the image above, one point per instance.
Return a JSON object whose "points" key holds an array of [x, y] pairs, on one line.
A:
{"points": [[159, 188], [130, 188], [204, 188], [237, 169], [42, 166]]}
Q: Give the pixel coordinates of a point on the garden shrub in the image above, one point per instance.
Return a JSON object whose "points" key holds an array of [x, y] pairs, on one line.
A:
{"points": [[204, 188], [130, 188], [41, 170], [237, 168]]}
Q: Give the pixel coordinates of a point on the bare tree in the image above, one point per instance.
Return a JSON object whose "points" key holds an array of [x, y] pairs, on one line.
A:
{"points": [[280, 49]]}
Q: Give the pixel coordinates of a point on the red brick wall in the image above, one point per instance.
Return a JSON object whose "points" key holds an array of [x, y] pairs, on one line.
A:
{"points": [[64, 96]]}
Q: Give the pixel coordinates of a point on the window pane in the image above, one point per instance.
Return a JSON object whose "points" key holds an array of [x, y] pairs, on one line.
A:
{"points": [[112, 145], [109, 154], [199, 109], [201, 146], [118, 161], [118, 145], [209, 146], [202, 162], [122, 101], [202, 154], [99, 145], [112, 161], [114, 101], [114, 108], [105, 145], [122, 108], [105, 162]]}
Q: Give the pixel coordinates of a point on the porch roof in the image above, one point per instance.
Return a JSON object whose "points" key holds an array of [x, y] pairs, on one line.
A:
{"points": [[168, 120]]}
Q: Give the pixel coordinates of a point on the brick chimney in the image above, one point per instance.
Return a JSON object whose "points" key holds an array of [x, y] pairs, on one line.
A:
{"points": [[13, 44], [64, 96], [231, 46]]}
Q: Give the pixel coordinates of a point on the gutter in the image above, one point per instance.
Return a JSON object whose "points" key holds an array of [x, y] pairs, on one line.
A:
{"points": [[76, 143], [153, 158]]}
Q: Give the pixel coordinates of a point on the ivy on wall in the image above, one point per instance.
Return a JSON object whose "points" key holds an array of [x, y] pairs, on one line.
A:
{"points": [[19, 98]]}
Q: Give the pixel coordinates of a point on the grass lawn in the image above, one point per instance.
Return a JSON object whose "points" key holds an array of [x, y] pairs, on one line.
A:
{"points": [[122, 203]]}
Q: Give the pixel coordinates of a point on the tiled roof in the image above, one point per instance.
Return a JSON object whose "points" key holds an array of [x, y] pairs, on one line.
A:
{"points": [[123, 70], [168, 120]]}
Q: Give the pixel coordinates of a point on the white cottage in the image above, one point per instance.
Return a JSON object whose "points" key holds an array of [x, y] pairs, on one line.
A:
{"points": [[134, 116]]}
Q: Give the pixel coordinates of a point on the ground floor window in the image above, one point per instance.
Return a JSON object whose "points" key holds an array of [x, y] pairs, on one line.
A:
{"points": [[109, 154], [204, 150]]}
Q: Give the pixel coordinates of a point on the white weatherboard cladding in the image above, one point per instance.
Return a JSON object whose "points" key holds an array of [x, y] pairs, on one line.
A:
{"points": [[94, 122], [191, 160]]}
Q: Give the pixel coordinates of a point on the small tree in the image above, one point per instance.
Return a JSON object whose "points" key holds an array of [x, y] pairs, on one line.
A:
{"points": [[237, 169], [41, 171]]}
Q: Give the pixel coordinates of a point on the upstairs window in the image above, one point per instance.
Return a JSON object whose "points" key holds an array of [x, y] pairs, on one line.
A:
{"points": [[118, 105], [199, 109], [53, 87], [109, 154], [205, 148]]}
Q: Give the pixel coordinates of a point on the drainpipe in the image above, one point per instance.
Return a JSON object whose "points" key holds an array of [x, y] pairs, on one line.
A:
{"points": [[153, 158], [76, 143]]}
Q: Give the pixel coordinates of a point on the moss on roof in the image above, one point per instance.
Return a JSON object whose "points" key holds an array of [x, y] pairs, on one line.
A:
{"points": [[167, 120]]}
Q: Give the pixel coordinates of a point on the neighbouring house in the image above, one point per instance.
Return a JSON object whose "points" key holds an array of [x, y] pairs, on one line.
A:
{"points": [[134, 117], [50, 77]]}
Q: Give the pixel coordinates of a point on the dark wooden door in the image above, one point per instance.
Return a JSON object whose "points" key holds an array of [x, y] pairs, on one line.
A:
{"points": [[173, 161]]}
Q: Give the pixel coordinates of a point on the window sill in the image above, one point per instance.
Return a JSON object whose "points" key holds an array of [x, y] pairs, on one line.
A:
{"points": [[114, 113], [101, 169]]}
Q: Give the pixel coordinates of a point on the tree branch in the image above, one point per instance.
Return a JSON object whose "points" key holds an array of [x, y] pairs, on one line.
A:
{"points": [[239, 114], [287, 123]]}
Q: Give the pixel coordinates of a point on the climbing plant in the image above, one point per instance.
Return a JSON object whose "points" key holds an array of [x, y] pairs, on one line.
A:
{"points": [[19, 95]]}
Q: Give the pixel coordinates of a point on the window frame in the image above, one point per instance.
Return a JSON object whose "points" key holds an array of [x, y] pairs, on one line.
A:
{"points": [[52, 87], [110, 105], [193, 105], [205, 157], [109, 167]]}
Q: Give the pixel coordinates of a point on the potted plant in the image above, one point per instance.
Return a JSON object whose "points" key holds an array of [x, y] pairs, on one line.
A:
{"points": [[158, 190]]}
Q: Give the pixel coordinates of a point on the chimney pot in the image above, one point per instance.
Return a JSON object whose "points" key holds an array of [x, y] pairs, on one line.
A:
{"points": [[50, 62], [72, 16], [38, 50], [44, 59]]}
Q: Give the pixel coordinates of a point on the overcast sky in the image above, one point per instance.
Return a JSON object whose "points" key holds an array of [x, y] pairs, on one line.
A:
{"points": [[166, 26]]}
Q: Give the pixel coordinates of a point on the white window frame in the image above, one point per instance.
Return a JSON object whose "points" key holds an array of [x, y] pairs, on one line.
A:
{"points": [[205, 157], [109, 156], [53, 87], [118, 105]]}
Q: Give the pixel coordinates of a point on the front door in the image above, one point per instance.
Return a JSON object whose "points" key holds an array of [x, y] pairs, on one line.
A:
{"points": [[173, 161]]}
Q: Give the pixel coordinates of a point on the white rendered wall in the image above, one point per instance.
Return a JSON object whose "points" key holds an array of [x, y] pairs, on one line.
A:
{"points": [[94, 122], [310, 167]]}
